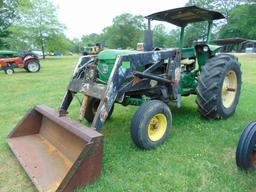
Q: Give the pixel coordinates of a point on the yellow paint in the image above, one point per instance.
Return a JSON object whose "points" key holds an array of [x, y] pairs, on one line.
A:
{"points": [[53, 187], [50, 147], [157, 127], [54, 151], [229, 88], [83, 107]]}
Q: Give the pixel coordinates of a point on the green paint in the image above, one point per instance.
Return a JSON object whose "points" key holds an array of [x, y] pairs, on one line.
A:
{"points": [[107, 61], [188, 52], [182, 37], [137, 101], [9, 54], [209, 32], [188, 83], [126, 64], [201, 59]]}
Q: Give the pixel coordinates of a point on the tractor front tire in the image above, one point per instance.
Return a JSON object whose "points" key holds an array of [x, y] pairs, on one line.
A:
{"points": [[9, 71], [91, 110], [219, 86], [246, 148], [151, 124]]}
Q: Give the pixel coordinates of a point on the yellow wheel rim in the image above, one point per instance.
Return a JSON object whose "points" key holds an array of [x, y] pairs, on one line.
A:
{"points": [[157, 127], [229, 88]]}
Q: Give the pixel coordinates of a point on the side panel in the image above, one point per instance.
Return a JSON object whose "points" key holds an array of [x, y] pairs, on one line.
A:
{"points": [[187, 53]]}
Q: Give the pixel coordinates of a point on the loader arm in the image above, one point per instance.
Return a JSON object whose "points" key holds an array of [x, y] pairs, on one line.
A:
{"points": [[125, 67]]}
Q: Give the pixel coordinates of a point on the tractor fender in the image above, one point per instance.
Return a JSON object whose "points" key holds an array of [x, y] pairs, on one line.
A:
{"points": [[214, 48], [28, 59]]}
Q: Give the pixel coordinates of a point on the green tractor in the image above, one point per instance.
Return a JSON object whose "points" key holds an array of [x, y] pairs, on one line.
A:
{"points": [[154, 78]]}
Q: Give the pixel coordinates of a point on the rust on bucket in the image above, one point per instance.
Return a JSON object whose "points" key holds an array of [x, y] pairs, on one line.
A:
{"points": [[57, 153]]}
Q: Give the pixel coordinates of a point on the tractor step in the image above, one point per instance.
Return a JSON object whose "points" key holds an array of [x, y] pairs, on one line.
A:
{"points": [[57, 153]]}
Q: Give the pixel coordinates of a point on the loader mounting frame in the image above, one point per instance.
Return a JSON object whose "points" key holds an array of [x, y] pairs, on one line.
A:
{"points": [[132, 74]]}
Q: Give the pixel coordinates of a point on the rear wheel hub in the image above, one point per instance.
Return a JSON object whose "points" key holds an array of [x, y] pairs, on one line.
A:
{"points": [[157, 127], [229, 88]]}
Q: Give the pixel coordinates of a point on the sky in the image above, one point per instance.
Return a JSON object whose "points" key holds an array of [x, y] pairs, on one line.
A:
{"points": [[83, 17]]}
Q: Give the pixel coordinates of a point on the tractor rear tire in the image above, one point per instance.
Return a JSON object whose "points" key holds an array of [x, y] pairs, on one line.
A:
{"points": [[246, 148], [151, 124], [92, 109], [219, 86], [32, 66]]}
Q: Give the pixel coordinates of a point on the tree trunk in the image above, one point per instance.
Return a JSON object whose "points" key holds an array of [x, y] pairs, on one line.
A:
{"points": [[43, 51], [42, 44]]}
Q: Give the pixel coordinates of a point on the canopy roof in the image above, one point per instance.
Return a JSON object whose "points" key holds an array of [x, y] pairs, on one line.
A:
{"points": [[184, 15], [236, 40], [227, 41]]}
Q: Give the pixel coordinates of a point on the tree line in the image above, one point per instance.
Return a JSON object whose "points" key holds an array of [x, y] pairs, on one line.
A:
{"points": [[33, 24]]}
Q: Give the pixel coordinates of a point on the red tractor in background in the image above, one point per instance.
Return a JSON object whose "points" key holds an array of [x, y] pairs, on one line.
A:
{"points": [[11, 59]]}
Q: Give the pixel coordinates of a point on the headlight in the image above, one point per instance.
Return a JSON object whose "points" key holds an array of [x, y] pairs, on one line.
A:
{"points": [[205, 48]]}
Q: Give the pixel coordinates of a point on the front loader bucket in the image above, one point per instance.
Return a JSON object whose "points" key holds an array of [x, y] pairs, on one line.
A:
{"points": [[57, 153]]}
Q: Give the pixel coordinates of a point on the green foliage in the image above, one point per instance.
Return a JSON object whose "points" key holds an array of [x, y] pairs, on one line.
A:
{"points": [[36, 27], [197, 31], [90, 40], [223, 6], [58, 43], [32, 24], [241, 23], [165, 39], [17, 39], [160, 36], [77, 46], [173, 40], [126, 31], [7, 14]]}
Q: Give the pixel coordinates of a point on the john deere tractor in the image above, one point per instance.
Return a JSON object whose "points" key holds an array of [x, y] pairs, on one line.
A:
{"points": [[154, 78]]}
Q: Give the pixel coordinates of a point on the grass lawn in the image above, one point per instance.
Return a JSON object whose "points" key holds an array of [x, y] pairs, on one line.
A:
{"points": [[198, 156]]}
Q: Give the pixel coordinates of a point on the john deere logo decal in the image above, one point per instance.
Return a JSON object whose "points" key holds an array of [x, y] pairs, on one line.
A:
{"points": [[104, 68], [156, 57]]}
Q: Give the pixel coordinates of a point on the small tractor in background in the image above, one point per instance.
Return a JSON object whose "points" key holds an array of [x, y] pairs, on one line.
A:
{"points": [[60, 154], [140, 47], [12, 59], [93, 50]]}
